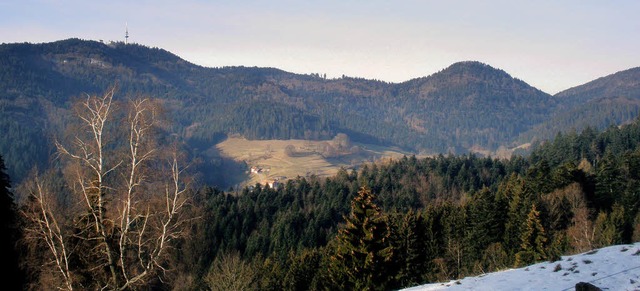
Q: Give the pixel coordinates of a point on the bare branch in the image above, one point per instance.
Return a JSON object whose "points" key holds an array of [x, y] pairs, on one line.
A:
{"points": [[125, 221], [45, 227]]}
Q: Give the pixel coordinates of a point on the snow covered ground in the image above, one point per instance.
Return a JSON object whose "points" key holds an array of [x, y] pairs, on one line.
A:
{"points": [[610, 268]]}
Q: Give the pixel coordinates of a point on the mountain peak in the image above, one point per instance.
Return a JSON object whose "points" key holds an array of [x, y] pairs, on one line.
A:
{"points": [[477, 77], [470, 64], [475, 68]]}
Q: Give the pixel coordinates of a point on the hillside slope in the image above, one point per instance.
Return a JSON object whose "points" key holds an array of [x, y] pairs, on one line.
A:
{"points": [[606, 101], [621, 84], [477, 104], [468, 105], [610, 268]]}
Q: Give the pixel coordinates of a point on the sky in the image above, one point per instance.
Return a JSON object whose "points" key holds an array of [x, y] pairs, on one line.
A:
{"points": [[552, 45]]}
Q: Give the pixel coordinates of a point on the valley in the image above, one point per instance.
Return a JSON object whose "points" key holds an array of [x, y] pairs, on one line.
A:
{"points": [[269, 161]]}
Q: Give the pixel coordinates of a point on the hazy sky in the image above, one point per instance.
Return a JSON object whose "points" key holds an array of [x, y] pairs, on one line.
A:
{"points": [[552, 45]]}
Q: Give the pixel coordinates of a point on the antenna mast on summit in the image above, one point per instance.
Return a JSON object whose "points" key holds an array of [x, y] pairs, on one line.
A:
{"points": [[126, 33]]}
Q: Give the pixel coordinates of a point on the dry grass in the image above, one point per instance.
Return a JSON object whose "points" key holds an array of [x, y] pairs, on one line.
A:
{"points": [[276, 164]]}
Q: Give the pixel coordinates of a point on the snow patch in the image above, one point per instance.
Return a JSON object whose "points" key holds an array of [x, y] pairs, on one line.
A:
{"points": [[611, 268]]}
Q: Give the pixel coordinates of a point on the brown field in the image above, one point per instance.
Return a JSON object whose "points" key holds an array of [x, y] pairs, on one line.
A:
{"points": [[276, 165]]}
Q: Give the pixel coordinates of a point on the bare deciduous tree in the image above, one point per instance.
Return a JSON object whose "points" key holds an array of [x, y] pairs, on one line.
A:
{"points": [[44, 231], [582, 232], [128, 192], [230, 272]]}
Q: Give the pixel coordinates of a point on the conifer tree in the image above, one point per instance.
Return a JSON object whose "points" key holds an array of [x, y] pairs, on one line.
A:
{"points": [[533, 238], [362, 250], [513, 193], [303, 270], [8, 216], [609, 184], [486, 221], [609, 227], [410, 242]]}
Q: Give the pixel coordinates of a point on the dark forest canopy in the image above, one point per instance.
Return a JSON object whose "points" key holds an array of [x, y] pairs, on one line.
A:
{"points": [[447, 216], [466, 106]]}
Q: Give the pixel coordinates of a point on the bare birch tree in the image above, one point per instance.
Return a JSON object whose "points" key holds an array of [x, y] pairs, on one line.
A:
{"points": [[129, 193], [43, 231]]}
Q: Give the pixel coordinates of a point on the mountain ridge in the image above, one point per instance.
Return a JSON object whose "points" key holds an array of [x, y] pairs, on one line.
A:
{"points": [[627, 82], [610, 100], [468, 105]]}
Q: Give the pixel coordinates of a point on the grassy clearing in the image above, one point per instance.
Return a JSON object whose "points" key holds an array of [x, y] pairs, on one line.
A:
{"points": [[276, 164]]}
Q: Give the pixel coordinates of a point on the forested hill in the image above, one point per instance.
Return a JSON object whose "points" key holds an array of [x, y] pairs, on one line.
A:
{"points": [[474, 104], [621, 84], [469, 105], [610, 100]]}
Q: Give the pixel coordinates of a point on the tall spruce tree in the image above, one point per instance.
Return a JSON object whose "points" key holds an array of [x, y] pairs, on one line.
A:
{"points": [[9, 264], [486, 222], [410, 239], [513, 193], [534, 239], [362, 251]]}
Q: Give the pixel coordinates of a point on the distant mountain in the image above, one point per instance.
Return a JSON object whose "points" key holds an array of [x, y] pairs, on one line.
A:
{"points": [[621, 84], [474, 105], [466, 106], [606, 101]]}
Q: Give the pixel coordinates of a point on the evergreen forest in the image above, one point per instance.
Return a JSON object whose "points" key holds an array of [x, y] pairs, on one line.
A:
{"points": [[387, 225]]}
